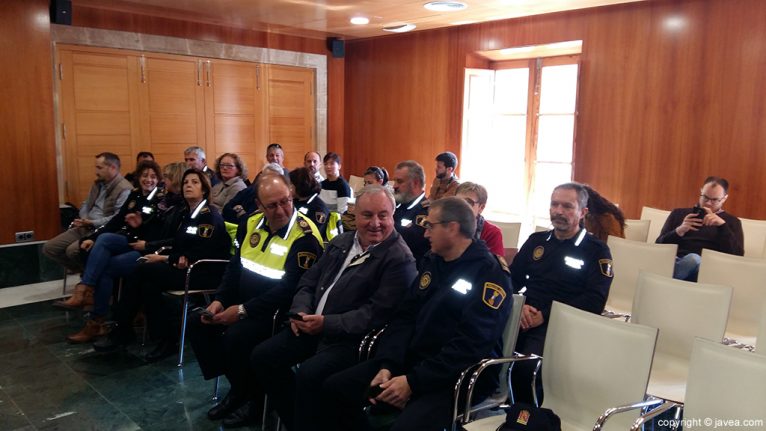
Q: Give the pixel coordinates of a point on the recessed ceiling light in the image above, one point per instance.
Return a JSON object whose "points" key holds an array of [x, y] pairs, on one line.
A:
{"points": [[401, 28], [360, 20], [445, 6]]}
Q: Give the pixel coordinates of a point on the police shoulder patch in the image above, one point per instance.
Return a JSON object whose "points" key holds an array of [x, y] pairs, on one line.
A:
{"points": [[606, 267], [503, 264], [304, 225], [320, 217], [420, 219], [205, 230], [255, 238], [306, 259], [425, 280], [493, 295], [131, 204], [204, 210]]}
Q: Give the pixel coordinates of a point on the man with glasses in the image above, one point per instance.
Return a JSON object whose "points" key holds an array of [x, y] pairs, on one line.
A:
{"points": [[353, 289], [274, 248], [453, 315], [706, 225]]}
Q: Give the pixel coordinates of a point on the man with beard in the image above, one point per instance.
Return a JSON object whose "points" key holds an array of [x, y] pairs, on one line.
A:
{"points": [[313, 161], [565, 265], [411, 206], [446, 182]]}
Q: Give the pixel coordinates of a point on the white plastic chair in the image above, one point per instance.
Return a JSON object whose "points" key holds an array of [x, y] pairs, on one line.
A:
{"points": [[510, 334], [539, 228], [628, 258], [725, 384], [637, 230], [591, 364], [510, 233], [356, 183], [681, 310], [755, 237], [657, 217], [748, 278], [760, 341]]}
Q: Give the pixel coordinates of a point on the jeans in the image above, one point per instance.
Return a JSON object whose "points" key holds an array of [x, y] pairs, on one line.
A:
{"points": [[687, 267], [110, 257]]}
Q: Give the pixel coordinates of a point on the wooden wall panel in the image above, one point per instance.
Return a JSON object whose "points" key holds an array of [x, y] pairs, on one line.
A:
{"points": [[29, 191], [670, 91]]}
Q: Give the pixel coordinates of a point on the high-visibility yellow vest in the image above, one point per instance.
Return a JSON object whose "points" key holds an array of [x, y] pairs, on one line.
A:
{"points": [[334, 227], [231, 229], [270, 262]]}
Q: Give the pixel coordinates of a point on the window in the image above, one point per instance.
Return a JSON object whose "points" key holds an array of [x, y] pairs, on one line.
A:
{"points": [[518, 134]]}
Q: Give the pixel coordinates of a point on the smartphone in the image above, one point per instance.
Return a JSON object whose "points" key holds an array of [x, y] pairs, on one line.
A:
{"points": [[373, 391], [142, 259], [701, 213], [203, 311], [294, 316]]}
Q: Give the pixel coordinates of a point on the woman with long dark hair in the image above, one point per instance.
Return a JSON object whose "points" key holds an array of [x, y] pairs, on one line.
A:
{"points": [[603, 218]]}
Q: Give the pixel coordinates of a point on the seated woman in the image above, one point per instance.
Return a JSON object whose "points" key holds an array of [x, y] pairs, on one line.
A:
{"points": [[373, 175], [603, 217], [306, 198], [200, 235], [231, 170], [114, 248]]}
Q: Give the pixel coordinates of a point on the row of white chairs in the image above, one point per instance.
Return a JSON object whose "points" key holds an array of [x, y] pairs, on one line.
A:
{"points": [[595, 368]]}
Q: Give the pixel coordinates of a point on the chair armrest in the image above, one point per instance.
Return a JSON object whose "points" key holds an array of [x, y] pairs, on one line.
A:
{"points": [[479, 368], [628, 407], [368, 343], [197, 264], [163, 249], [613, 315]]}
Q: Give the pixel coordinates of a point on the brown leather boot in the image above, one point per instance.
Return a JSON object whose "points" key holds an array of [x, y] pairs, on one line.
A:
{"points": [[81, 297], [94, 328]]}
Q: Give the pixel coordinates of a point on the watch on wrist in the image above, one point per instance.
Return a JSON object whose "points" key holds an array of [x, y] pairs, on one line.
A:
{"points": [[241, 312]]}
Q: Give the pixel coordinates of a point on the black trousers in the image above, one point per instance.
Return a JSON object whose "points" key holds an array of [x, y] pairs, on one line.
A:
{"points": [[529, 342], [296, 394], [225, 350], [344, 396]]}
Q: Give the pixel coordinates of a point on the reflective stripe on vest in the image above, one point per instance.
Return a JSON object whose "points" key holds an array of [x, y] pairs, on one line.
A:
{"points": [[270, 263], [334, 226]]}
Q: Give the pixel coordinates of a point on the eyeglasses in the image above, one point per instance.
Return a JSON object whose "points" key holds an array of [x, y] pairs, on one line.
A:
{"points": [[227, 166], [427, 225], [470, 201], [713, 200], [283, 203]]}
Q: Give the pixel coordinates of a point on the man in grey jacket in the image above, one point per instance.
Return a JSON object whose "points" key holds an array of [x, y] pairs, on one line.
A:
{"points": [[352, 289], [106, 197]]}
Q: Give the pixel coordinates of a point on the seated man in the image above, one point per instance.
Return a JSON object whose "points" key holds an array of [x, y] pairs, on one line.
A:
{"points": [[411, 206], [706, 225], [453, 316], [446, 182], [476, 196], [195, 158], [275, 154], [352, 289], [564, 264], [105, 199], [274, 248]]}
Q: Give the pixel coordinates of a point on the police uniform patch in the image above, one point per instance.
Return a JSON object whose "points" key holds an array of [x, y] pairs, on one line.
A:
{"points": [[606, 267], [320, 217], [306, 259], [204, 210], [255, 238], [538, 253], [205, 230], [131, 205], [493, 295], [523, 418], [425, 280], [420, 220], [302, 223]]}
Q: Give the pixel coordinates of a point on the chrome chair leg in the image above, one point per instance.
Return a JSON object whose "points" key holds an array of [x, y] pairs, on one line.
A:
{"points": [[215, 388], [183, 332]]}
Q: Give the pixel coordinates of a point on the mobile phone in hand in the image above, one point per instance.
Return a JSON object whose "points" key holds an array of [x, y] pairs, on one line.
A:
{"points": [[204, 312], [294, 316], [142, 259], [373, 391], [701, 213]]}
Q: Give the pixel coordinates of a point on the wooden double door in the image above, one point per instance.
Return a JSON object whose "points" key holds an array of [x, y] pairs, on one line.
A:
{"points": [[128, 101]]}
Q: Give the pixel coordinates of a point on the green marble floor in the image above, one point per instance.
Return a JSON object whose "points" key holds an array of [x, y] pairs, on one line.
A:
{"points": [[46, 383]]}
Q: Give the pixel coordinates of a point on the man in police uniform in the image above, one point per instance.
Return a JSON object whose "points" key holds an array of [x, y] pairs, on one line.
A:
{"points": [[565, 264], [411, 206], [353, 289], [274, 248], [452, 317]]}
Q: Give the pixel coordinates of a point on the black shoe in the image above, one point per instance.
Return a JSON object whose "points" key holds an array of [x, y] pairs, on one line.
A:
{"points": [[113, 341], [163, 349], [248, 414], [228, 404]]}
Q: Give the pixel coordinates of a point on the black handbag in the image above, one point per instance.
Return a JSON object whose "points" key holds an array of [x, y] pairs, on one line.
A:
{"points": [[527, 417]]}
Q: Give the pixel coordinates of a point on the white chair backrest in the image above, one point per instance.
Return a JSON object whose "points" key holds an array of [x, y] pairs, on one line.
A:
{"points": [[510, 334], [725, 383], [586, 358], [748, 278], [630, 257], [356, 183], [755, 237], [539, 228], [510, 233], [637, 230], [658, 217], [760, 341], [681, 310]]}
